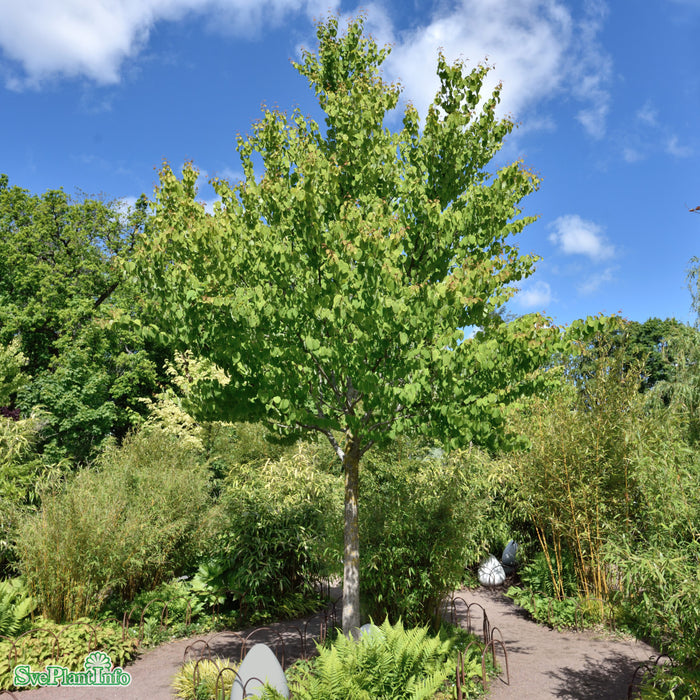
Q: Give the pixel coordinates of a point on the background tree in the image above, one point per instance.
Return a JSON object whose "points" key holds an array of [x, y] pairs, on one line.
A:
{"points": [[65, 307], [334, 289], [650, 344]]}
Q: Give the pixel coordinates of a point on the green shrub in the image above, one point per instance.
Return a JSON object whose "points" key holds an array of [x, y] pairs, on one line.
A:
{"points": [[560, 613], [575, 484], [127, 524], [75, 642], [169, 611], [20, 478], [669, 682], [421, 521], [277, 522], [536, 575], [207, 673], [661, 589], [389, 663]]}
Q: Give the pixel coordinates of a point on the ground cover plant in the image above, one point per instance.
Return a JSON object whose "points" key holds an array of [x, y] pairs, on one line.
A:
{"points": [[389, 662], [16, 607], [47, 642], [200, 680]]}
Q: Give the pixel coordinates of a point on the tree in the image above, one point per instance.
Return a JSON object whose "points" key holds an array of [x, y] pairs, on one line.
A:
{"points": [[65, 307], [335, 288], [652, 343]]}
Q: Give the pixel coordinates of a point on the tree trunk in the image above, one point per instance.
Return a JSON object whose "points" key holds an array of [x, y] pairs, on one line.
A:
{"points": [[351, 558]]}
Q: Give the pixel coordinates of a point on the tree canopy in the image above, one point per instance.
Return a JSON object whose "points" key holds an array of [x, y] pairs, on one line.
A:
{"points": [[352, 286], [65, 313]]}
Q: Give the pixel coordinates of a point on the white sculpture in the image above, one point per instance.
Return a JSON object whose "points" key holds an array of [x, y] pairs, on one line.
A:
{"points": [[491, 573], [260, 666]]}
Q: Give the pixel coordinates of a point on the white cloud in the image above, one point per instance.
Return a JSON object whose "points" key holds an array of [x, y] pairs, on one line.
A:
{"points": [[591, 70], [93, 38], [648, 115], [535, 296], [576, 236], [676, 149], [229, 174], [539, 49], [526, 41], [632, 155], [595, 281]]}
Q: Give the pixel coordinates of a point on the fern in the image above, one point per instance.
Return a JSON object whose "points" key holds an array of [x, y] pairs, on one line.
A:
{"points": [[15, 607], [390, 664]]}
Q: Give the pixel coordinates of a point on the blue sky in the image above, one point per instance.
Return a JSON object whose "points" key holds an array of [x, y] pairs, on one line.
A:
{"points": [[95, 94]]}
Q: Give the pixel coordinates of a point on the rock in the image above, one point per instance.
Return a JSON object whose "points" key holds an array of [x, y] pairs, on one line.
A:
{"points": [[509, 553], [491, 572], [259, 666], [372, 631]]}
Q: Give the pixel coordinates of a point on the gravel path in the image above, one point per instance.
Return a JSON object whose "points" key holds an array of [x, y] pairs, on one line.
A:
{"points": [[542, 663]]}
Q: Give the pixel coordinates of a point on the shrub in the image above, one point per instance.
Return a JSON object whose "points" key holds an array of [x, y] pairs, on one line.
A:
{"points": [[127, 524], [20, 478], [671, 682], [576, 485], [536, 575], [277, 522], [207, 673], [421, 521], [75, 642], [661, 587], [169, 611]]}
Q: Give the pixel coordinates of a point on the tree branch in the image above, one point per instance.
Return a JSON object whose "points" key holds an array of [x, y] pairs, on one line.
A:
{"points": [[330, 382], [105, 295]]}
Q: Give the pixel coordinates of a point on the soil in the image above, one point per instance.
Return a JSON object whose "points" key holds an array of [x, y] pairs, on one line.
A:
{"points": [[541, 663]]}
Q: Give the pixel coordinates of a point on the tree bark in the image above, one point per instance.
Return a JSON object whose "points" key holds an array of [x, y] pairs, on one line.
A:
{"points": [[351, 531]]}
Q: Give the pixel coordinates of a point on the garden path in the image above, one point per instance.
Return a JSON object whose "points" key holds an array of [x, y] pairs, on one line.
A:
{"points": [[543, 663]]}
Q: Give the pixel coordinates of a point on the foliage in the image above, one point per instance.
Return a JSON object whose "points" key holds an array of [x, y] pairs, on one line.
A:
{"points": [[207, 673], [39, 646], [559, 613], [575, 485], [277, 521], [536, 575], [12, 378], [671, 683], [423, 519], [129, 523], [661, 585], [22, 478], [611, 480], [388, 663], [16, 605], [681, 392], [334, 289], [91, 391], [171, 610], [65, 304], [650, 345]]}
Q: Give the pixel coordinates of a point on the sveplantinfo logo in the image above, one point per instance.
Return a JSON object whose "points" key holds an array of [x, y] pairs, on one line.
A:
{"points": [[98, 671]]}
